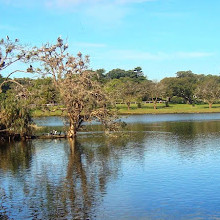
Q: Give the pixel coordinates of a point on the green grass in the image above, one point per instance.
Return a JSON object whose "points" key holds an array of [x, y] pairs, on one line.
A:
{"points": [[40, 113], [145, 109], [172, 109], [49, 111]]}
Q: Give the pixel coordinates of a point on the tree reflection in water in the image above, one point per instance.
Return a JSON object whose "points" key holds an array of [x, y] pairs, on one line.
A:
{"points": [[64, 179], [36, 183]]}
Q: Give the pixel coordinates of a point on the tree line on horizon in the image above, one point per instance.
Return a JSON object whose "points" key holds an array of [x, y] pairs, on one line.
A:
{"points": [[85, 94], [132, 86]]}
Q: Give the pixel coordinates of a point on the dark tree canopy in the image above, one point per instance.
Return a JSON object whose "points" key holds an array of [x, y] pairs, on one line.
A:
{"points": [[136, 73]]}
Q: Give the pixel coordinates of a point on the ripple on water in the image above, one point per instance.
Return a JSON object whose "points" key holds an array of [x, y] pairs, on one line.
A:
{"points": [[169, 170]]}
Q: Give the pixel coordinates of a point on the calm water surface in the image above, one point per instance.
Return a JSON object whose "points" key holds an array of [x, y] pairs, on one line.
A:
{"points": [[161, 167]]}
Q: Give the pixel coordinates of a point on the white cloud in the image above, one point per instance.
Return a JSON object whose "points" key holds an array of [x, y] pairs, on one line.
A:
{"points": [[107, 12]]}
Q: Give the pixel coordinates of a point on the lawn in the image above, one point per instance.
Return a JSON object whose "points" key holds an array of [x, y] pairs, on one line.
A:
{"points": [[46, 113], [145, 109], [172, 109]]}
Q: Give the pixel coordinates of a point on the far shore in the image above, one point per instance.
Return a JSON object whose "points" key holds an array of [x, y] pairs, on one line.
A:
{"points": [[145, 109]]}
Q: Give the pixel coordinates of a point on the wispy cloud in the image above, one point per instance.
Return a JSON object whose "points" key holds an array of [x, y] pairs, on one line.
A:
{"points": [[160, 56], [132, 1], [70, 3], [21, 3], [193, 54], [169, 14], [65, 3], [103, 11], [108, 12]]}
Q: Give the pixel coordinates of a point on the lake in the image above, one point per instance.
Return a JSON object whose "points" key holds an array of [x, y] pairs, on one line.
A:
{"points": [[160, 167]]}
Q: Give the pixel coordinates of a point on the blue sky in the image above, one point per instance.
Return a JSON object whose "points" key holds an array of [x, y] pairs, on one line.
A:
{"points": [[161, 36]]}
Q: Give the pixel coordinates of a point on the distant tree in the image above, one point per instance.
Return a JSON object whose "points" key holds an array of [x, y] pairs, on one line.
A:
{"points": [[183, 85], [116, 74], [44, 91], [169, 87], [100, 76], [125, 89], [138, 70], [183, 74], [144, 89], [209, 90], [100, 73], [155, 92], [136, 73]]}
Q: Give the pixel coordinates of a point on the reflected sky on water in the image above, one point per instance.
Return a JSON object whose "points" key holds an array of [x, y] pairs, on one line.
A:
{"points": [[158, 169]]}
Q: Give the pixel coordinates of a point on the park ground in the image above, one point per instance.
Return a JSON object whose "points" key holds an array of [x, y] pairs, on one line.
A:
{"points": [[145, 109]]}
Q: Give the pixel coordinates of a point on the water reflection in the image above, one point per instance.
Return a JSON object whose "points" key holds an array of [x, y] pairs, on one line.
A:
{"points": [[60, 179], [15, 155], [163, 170]]}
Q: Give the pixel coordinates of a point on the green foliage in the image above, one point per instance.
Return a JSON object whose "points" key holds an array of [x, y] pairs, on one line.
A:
{"points": [[125, 89], [208, 89], [183, 85], [116, 74], [15, 114], [6, 86], [43, 92], [177, 100], [136, 73]]}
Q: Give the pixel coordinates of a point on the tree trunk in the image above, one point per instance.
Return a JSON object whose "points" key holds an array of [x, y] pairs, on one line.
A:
{"points": [[189, 101], [210, 105], [155, 104], [72, 129], [128, 104]]}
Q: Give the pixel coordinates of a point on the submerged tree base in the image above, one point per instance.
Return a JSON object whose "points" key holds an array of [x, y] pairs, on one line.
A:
{"points": [[5, 136], [18, 137]]}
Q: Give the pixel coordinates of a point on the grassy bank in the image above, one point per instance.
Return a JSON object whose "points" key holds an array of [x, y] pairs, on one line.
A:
{"points": [[172, 109], [46, 113], [145, 109]]}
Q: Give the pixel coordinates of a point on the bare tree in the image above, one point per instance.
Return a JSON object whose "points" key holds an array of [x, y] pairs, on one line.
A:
{"points": [[82, 96], [11, 52]]}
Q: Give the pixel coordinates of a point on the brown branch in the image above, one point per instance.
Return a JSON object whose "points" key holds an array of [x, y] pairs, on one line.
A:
{"points": [[13, 73], [10, 63], [10, 80]]}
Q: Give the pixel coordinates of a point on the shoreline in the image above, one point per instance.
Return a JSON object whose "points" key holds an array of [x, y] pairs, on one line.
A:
{"points": [[145, 109], [168, 113], [156, 112]]}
